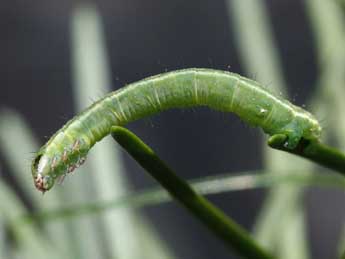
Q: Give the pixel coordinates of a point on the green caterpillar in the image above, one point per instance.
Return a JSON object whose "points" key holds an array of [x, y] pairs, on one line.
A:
{"points": [[219, 90]]}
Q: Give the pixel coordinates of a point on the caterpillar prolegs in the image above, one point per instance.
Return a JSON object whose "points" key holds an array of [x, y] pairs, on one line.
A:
{"points": [[219, 90]]}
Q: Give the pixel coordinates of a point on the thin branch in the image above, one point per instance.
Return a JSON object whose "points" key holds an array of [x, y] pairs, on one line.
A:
{"points": [[314, 151], [225, 228]]}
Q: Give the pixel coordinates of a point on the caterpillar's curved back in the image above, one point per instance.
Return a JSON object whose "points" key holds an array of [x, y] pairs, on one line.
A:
{"points": [[219, 90]]}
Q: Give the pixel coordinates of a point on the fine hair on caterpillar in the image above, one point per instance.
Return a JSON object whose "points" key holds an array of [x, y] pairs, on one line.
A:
{"points": [[219, 90]]}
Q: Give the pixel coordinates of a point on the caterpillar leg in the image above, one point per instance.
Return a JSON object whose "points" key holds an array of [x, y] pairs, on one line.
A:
{"points": [[288, 139], [277, 140]]}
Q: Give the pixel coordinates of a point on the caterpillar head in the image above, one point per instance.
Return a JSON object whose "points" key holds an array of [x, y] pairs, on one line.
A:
{"points": [[41, 172], [50, 164]]}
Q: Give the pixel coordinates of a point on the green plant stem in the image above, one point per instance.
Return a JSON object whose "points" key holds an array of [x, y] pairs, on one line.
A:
{"points": [[209, 185], [221, 225], [314, 151]]}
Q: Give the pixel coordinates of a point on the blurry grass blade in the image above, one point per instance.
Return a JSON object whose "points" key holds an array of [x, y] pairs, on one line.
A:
{"points": [[152, 245], [17, 145], [92, 79], [88, 74], [4, 248], [281, 202], [293, 239], [327, 21], [206, 186], [259, 55], [255, 42], [29, 242], [90, 66], [328, 24]]}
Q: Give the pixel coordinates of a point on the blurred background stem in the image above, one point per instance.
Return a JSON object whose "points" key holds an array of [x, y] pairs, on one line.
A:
{"points": [[280, 224], [216, 184]]}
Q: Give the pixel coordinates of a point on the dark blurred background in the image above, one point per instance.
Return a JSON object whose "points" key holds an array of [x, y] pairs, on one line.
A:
{"points": [[149, 37]]}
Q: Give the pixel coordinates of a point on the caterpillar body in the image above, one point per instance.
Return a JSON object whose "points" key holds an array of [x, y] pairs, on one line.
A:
{"points": [[219, 90]]}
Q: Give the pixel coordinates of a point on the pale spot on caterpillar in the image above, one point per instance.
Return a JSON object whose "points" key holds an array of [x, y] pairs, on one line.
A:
{"points": [[263, 111], [120, 107], [65, 156], [54, 163], [76, 145]]}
